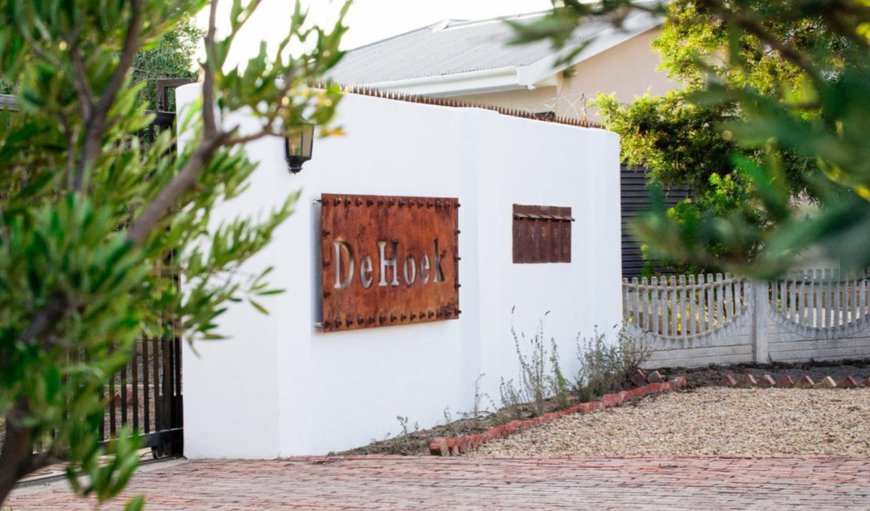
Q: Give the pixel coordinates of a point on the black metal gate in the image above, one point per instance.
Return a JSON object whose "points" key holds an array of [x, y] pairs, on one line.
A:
{"points": [[147, 395]]}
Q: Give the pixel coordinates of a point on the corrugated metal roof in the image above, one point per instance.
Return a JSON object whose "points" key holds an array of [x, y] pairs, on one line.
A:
{"points": [[447, 48]]}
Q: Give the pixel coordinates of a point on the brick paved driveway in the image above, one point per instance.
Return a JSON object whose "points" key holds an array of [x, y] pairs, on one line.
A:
{"points": [[379, 482]]}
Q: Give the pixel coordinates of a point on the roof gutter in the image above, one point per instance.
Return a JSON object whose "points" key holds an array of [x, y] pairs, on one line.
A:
{"points": [[475, 82]]}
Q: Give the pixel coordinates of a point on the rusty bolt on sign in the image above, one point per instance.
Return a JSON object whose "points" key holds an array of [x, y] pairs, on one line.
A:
{"points": [[388, 260]]}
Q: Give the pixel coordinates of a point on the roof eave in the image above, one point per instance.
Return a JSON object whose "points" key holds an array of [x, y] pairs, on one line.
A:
{"points": [[612, 37], [536, 74], [475, 82]]}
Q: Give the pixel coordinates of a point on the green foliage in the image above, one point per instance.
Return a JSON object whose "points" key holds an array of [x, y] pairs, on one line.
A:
{"points": [[171, 57], [791, 79], [675, 139], [97, 228]]}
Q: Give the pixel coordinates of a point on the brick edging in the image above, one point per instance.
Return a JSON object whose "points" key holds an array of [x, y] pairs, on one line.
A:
{"points": [[787, 382], [451, 446]]}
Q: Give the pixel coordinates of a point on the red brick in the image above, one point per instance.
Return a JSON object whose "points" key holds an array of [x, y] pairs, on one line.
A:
{"points": [[747, 381], [680, 381], [594, 405], [654, 377], [438, 447], [729, 381], [849, 382], [464, 444], [786, 382], [638, 377], [766, 381], [612, 399], [587, 407], [805, 382], [660, 387], [414, 483], [632, 394], [825, 383], [866, 382]]}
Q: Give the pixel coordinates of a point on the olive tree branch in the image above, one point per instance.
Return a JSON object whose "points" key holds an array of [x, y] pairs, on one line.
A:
{"points": [[209, 124], [95, 124]]}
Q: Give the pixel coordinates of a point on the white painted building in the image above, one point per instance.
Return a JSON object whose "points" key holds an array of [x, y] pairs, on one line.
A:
{"points": [[280, 386]]}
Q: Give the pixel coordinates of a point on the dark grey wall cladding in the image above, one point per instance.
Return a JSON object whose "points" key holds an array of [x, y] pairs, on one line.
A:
{"points": [[635, 200]]}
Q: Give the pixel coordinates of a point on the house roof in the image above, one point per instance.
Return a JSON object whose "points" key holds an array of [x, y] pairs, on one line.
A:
{"points": [[461, 57]]}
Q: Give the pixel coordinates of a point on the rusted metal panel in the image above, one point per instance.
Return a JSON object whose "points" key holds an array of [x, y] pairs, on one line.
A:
{"points": [[541, 234], [388, 260]]}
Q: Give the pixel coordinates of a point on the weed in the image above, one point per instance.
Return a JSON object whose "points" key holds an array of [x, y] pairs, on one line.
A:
{"points": [[407, 440], [605, 367], [558, 382], [476, 411], [535, 383], [448, 421]]}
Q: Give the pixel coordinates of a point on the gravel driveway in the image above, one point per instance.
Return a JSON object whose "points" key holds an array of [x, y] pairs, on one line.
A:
{"points": [[707, 422]]}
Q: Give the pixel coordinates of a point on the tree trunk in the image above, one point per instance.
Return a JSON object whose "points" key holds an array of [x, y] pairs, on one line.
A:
{"points": [[16, 454]]}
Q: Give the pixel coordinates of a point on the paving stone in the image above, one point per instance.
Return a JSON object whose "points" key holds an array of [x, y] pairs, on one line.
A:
{"points": [[431, 484]]}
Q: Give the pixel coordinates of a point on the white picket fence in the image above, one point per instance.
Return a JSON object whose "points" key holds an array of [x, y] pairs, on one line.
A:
{"points": [[701, 319], [821, 299], [679, 307]]}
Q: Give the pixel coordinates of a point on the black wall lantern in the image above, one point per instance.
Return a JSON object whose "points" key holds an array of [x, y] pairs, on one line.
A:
{"points": [[297, 146]]}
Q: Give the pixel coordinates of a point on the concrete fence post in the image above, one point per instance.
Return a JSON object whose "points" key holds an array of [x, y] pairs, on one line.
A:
{"points": [[760, 309]]}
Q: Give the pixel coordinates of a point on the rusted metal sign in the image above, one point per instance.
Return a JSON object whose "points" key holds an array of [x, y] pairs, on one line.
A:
{"points": [[388, 260]]}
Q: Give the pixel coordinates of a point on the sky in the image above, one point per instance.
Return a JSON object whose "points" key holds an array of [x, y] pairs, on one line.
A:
{"points": [[372, 20], [369, 20]]}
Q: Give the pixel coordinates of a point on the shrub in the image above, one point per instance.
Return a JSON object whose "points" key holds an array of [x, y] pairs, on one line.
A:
{"points": [[605, 367]]}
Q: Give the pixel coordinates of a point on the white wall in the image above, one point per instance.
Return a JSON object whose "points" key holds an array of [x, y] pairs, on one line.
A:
{"points": [[281, 387]]}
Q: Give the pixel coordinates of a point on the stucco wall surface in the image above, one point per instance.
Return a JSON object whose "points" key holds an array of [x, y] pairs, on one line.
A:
{"points": [[627, 70], [280, 387]]}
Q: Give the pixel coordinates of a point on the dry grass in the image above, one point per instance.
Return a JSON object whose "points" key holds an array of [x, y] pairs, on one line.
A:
{"points": [[708, 422]]}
